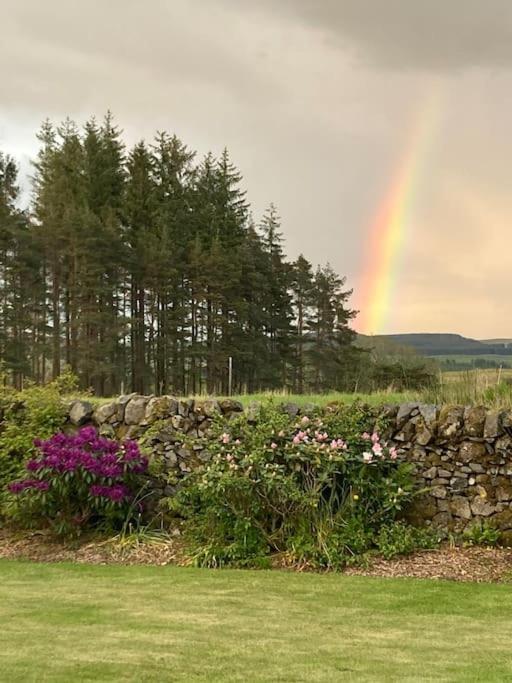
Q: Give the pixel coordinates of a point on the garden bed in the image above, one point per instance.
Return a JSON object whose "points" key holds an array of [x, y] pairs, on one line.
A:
{"points": [[42, 547], [478, 564]]}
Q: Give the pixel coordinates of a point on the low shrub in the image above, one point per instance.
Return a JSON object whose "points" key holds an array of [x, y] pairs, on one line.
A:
{"points": [[399, 538], [482, 533], [317, 489], [79, 481], [35, 412]]}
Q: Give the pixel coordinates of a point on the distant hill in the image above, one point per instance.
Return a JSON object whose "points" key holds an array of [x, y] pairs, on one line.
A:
{"points": [[433, 344], [505, 342], [384, 346]]}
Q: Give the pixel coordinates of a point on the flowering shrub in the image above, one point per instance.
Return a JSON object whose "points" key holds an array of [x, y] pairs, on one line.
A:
{"points": [[80, 480], [316, 489]]}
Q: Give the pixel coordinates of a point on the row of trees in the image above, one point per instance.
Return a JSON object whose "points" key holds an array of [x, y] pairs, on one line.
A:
{"points": [[143, 269]]}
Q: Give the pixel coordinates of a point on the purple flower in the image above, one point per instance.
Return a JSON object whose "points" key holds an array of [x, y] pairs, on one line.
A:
{"points": [[84, 453], [24, 484], [141, 467], [87, 434], [111, 470], [16, 487], [97, 490], [131, 451], [42, 485], [117, 493]]}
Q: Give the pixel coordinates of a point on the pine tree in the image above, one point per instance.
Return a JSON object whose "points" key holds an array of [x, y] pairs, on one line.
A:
{"points": [[250, 345], [139, 215], [277, 305], [48, 226], [173, 175], [11, 341], [302, 289], [104, 254], [331, 337]]}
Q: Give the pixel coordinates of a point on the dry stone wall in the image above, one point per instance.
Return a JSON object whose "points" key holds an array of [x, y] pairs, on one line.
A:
{"points": [[462, 456]]}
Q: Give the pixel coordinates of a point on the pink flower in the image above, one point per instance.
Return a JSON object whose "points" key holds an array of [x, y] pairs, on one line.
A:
{"points": [[305, 420], [321, 436], [296, 439], [334, 444], [342, 444], [365, 436], [375, 437], [367, 457], [393, 454], [225, 438], [238, 442], [377, 449], [273, 445]]}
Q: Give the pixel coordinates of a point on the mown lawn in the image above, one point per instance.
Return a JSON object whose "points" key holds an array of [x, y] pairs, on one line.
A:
{"points": [[113, 623]]}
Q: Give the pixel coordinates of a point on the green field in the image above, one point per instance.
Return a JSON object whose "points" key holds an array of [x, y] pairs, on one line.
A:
{"points": [[114, 623], [377, 398], [470, 360]]}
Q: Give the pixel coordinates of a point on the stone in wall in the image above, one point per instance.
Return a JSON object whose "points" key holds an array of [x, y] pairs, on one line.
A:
{"points": [[80, 412]]}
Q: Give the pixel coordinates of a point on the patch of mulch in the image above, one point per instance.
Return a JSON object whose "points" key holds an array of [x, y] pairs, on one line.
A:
{"points": [[478, 564], [41, 547]]}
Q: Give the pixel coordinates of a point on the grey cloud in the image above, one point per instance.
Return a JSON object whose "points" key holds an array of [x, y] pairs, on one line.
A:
{"points": [[424, 34], [57, 50], [315, 101]]}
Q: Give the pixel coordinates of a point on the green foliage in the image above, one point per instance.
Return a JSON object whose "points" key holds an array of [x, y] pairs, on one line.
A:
{"points": [[318, 489], [482, 533], [390, 365], [403, 375], [399, 538], [67, 382], [34, 412]]}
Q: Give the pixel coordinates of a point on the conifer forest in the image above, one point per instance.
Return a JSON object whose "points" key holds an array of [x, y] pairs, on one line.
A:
{"points": [[143, 269]]}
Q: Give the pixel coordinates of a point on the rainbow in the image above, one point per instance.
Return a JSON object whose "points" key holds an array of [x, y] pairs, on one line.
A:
{"points": [[393, 220]]}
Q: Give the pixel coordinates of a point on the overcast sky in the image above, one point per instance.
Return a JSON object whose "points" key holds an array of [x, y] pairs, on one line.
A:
{"points": [[315, 100]]}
